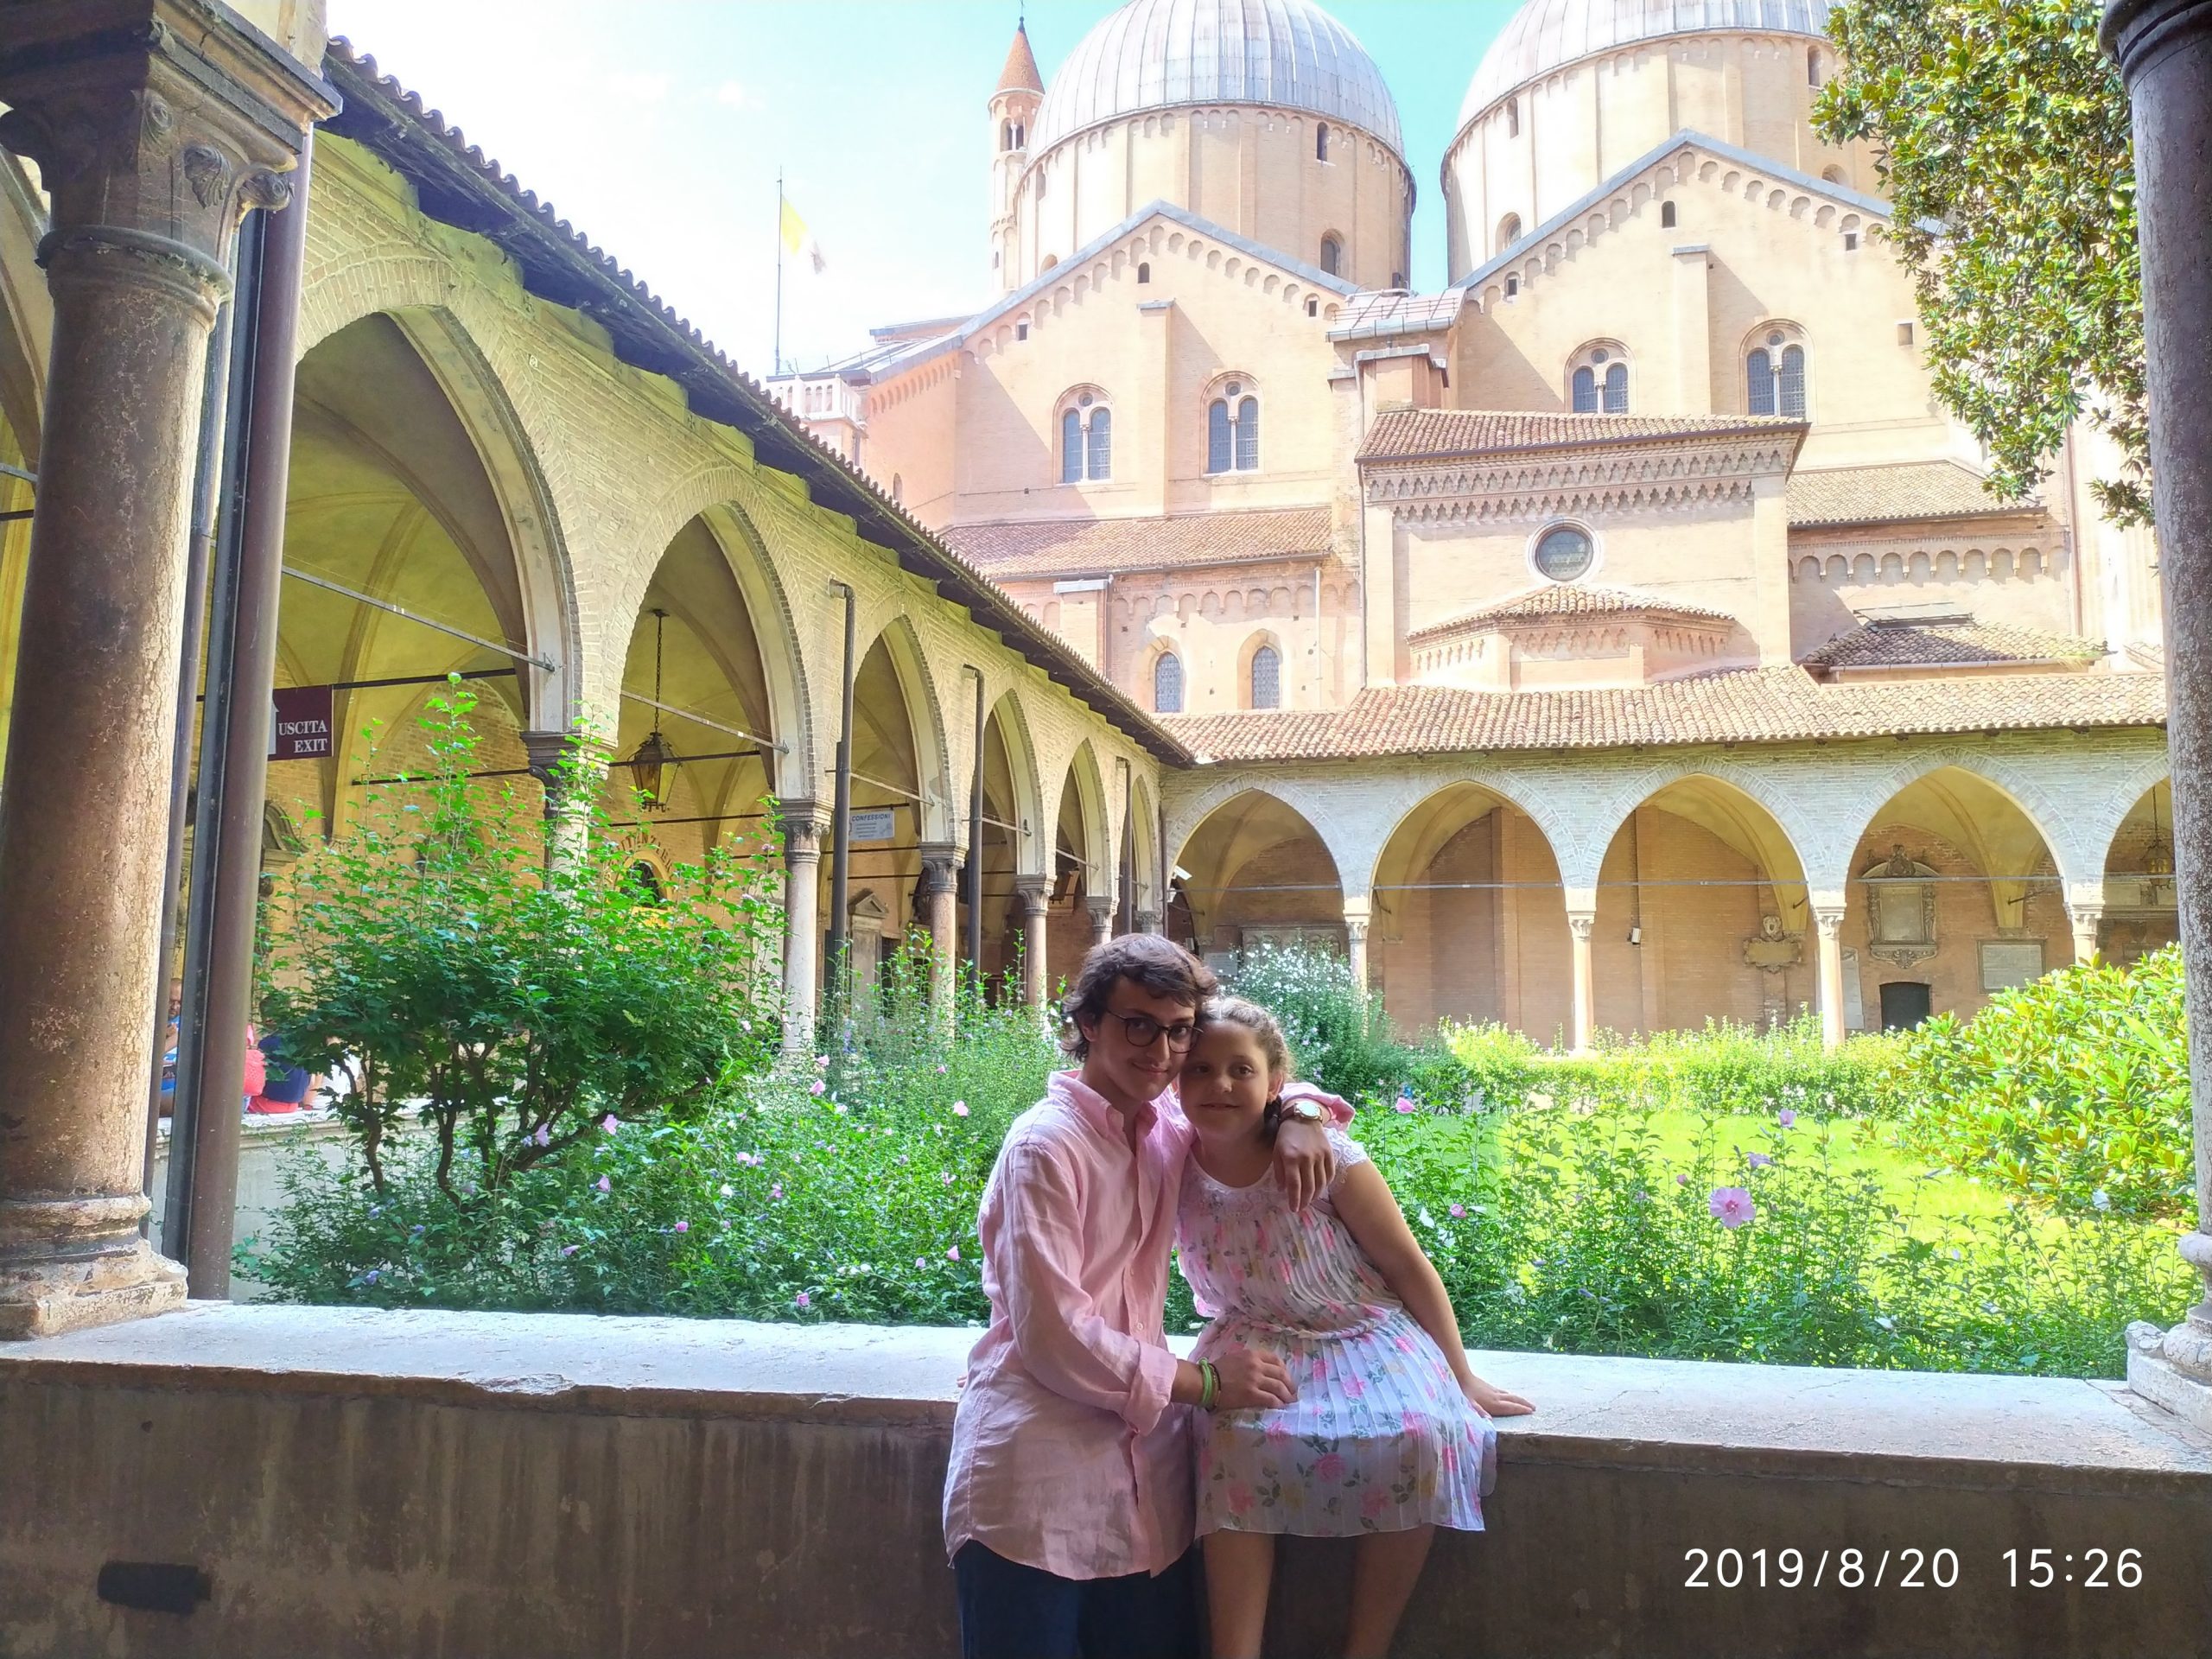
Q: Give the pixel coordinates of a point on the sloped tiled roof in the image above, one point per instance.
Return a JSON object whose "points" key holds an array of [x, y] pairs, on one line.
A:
{"points": [[1075, 547], [1767, 705], [1906, 643], [1868, 495], [1424, 434], [1021, 74], [1556, 599]]}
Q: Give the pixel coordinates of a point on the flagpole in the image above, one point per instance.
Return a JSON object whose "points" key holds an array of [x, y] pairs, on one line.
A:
{"points": [[780, 271]]}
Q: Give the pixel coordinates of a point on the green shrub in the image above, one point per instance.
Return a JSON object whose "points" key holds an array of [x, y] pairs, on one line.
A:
{"points": [[504, 1000], [2071, 1091], [1336, 1031]]}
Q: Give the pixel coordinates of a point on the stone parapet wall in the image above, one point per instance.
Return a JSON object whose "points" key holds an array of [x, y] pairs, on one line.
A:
{"points": [[357, 1483]]}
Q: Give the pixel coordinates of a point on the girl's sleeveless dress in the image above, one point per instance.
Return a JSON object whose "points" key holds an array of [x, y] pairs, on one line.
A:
{"points": [[1380, 1437]]}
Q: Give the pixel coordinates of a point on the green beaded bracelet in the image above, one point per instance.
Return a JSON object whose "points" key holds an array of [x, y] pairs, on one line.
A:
{"points": [[1208, 1384]]}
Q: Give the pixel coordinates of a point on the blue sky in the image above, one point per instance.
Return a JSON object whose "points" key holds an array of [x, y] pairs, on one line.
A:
{"points": [[658, 126]]}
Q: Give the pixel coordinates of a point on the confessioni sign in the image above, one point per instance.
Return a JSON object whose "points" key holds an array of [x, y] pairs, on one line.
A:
{"points": [[300, 723]]}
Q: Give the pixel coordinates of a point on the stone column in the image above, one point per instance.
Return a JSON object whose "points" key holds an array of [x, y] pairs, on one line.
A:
{"points": [[1033, 894], [1580, 926], [566, 765], [1827, 924], [939, 895], [1144, 921], [1358, 912], [2085, 921], [1102, 920], [801, 823], [156, 125], [2165, 48]]}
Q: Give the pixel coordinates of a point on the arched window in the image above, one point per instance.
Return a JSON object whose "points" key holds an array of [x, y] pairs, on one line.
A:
{"points": [[1267, 677], [1167, 684], [1812, 66], [1321, 141], [645, 879], [1233, 429], [898, 490], [1513, 117], [1086, 438], [1508, 232], [1144, 271], [1666, 215], [1831, 174], [1101, 443], [1071, 447], [1597, 381], [1021, 136], [1332, 256], [1774, 375]]}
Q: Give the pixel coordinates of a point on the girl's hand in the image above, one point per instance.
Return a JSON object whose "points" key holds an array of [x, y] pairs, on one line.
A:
{"points": [[1496, 1401], [1305, 1162]]}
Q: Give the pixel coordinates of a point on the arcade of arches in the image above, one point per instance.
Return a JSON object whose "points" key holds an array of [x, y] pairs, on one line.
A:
{"points": [[1572, 897]]}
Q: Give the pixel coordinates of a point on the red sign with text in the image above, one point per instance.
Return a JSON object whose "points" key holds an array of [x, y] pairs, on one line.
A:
{"points": [[300, 728]]}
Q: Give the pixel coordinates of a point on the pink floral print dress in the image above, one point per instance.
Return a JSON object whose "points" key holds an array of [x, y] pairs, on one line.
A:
{"points": [[1380, 1437]]}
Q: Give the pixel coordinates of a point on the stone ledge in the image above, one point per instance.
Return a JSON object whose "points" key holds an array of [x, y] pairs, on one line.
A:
{"points": [[1994, 1433]]}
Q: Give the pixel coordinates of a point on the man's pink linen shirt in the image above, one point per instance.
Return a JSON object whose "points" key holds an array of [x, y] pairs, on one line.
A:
{"points": [[1066, 1453]]}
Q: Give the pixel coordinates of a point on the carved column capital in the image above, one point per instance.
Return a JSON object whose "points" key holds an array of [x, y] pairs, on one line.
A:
{"points": [[156, 125], [800, 822], [1033, 894], [1582, 925], [1829, 920], [940, 869], [1102, 919]]}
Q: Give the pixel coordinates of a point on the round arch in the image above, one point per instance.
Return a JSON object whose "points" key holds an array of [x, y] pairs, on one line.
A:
{"points": [[1256, 871], [2140, 911], [1468, 918], [897, 640], [1009, 718]]}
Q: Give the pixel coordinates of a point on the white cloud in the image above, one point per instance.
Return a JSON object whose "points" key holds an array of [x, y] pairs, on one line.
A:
{"points": [[736, 95]]}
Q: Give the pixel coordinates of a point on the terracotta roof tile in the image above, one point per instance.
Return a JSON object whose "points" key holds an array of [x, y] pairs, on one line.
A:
{"points": [[1021, 74], [1908, 644], [1772, 705], [1556, 599], [1422, 434], [1868, 495], [1073, 547]]}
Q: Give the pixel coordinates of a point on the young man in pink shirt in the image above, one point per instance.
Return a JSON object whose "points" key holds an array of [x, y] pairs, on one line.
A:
{"points": [[1068, 1505]]}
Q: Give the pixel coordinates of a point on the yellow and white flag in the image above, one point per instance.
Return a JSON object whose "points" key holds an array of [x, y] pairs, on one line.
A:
{"points": [[799, 241]]}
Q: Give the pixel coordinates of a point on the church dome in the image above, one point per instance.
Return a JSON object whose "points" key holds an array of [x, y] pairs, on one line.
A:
{"points": [[1152, 54], [1547, 35]]}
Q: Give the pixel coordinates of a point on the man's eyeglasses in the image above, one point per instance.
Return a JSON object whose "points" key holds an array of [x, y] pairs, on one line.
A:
{"points": [[1142, 1030]]}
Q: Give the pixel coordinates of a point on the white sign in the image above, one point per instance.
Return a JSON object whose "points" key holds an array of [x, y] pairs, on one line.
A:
{"points": [[2007, 963], [874, 823]]}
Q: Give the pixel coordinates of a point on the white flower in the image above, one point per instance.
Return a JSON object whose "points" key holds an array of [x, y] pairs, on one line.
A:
{"points": [[2100, 1199]]}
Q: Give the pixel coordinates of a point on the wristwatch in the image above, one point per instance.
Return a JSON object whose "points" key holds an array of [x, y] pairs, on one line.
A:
{"points": [[1303, 1111]]}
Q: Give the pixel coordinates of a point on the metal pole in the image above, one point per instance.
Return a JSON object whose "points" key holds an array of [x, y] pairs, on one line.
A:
{"points": [[975, 871], [1126, 906], [199, 547], [841, 823], [237, 787], [779, 275], [192, 1008]]}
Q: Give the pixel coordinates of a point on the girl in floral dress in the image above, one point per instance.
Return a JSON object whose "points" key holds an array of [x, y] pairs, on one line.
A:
{"points": [[1390, 1435]]}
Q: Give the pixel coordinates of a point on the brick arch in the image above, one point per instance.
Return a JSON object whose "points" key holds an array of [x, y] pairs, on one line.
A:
{"points": [[889, 625], [1603, 819], [1032, 853], [1828, 856], [1394, 810], [2100, 825], [719, 493]]}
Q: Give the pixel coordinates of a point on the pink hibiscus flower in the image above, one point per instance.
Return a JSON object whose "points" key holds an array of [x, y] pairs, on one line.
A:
{"points": [[1240, 1499], [1331, 1468], [1354, 1387], [1374, 1502], [1731, 1206]]}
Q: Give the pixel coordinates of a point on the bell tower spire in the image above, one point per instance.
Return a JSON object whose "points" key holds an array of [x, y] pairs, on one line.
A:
{"points": [[1014, 110]]}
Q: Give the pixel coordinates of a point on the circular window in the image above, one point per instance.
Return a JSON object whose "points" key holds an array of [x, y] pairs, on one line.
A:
{"points": [[1083, 402], [1774, 339], [1563, 553], [1235, 388], [1599, 355]]}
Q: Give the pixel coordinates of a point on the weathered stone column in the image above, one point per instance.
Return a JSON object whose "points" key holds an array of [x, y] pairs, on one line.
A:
{"points": [[940, 903], [2165, 48], [155, 126], [1358, 913], [1580, 926], [2085, 922], [1827, 926], [1102, 920], [1033, 894], [801, 823], [1144, 921]]}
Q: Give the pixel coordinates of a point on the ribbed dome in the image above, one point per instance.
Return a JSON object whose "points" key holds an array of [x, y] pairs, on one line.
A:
{"points": [[1152, 54], [1546, 34]]}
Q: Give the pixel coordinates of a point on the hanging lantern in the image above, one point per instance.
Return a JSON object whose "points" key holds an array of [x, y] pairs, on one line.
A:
{"points": [[2158, 854], [654, 753]]}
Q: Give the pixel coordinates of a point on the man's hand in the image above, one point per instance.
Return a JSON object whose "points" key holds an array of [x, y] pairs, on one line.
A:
{"points": [[1305, 1162], [1252, 1381]]}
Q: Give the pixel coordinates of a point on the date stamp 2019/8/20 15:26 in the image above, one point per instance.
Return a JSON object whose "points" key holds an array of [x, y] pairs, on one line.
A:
{"points": [[1907, 1568]]}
